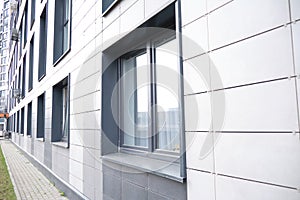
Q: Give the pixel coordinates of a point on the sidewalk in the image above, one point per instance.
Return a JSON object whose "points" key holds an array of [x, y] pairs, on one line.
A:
{"points": [[29, 183]]}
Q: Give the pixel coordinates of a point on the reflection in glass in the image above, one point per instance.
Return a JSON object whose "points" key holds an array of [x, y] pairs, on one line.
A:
{"points": [[135, 98], [167, 83], [66, 27]]}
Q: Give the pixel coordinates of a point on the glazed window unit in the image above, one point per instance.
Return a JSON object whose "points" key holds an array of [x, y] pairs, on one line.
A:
{"points": [[149, 110], [62, 29], [61, 111]]}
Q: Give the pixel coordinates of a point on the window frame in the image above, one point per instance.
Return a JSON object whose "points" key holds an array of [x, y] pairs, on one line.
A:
{"points": [[59, 26], [32, 13], [29, 119], [24, 76], [174, 167], [25, 24], [60, 116], [41, 108], [31, 64], [65, 113], [22, 121], [152, 147], [21, 38], [18, 122], [43, 43]]}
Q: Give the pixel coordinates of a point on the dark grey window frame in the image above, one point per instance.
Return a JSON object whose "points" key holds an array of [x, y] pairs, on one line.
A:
{"points": [[32, 14], [60, 22], [19, 78], [29, 119], [18, 122], [9, 123], [41, 116], [110, 142], [24, 76], [21, 38], [15, 122], [31, 64], [150, 52], [58, 128], [43, 44], [25, 24], [22, 121]]}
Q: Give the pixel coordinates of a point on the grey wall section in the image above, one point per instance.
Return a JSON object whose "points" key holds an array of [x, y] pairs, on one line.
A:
{"points": [[48, 128], [32, 144], [120, 182], [60, 162], [110, 129], [48, 150]]}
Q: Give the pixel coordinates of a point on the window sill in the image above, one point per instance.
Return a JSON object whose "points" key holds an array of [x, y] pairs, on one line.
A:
{"points": [[41, 77], [29, 136], [61, 144], [150, 165], [40, 139], [62, 57], [32, 23]]}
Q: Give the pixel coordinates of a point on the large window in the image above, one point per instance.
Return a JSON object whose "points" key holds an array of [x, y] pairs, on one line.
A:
{"points": [[23, 76], [61, 111], [149, 106], [141, 91], [32, 12], [25, 24], [22, 121], [31, 63], [142, 99], [19, 79], [41, 116], [18, 122], [15, 123], [21, 39], [62, 29], [43, 44], [29, 118]]}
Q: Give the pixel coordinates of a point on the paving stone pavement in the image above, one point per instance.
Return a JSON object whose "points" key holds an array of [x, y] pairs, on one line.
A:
{"points": [[28, 181]]}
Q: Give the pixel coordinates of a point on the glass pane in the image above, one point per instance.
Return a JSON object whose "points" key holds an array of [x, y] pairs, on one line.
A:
{"points": [[135, 99], [167, 79], [66, 37], [66, 12], [65, 114]]}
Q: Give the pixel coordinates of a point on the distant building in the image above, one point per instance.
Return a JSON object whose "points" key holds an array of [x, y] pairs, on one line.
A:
{"points": [[110, 102], [4, 55]]}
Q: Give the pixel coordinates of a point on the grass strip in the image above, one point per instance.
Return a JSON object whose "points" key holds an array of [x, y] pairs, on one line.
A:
{"points": [[6, 187]]}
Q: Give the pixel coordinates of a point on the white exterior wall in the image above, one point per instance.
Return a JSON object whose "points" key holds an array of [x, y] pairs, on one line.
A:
{"points": [[254, 46], [79, 165]]}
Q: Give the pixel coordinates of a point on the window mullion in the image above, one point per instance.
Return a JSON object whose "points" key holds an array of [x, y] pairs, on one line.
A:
{"points": [[120, 104], [63, 25], [152, 121]]}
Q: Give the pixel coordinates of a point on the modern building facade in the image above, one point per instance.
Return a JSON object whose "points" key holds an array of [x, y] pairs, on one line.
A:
{"points": [[168, 99]]}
